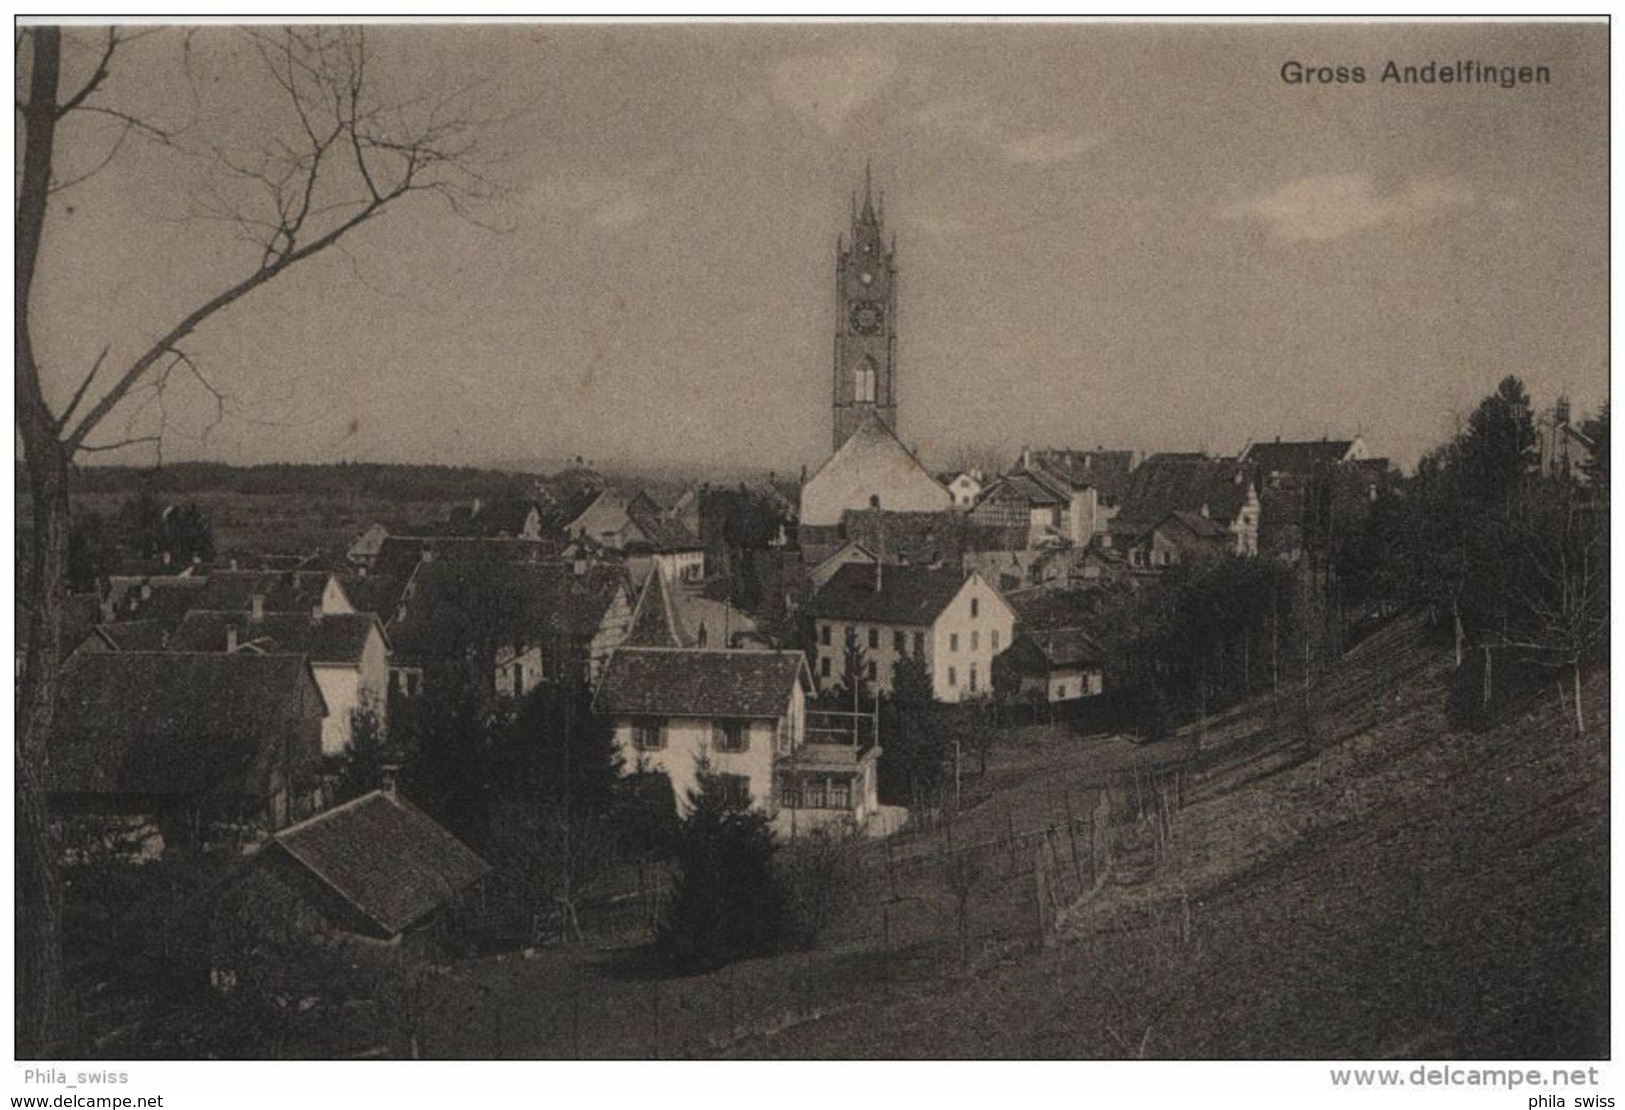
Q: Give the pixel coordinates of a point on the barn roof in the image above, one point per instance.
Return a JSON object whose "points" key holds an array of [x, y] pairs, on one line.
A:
{"points": [[384, 858], [173, 723]]}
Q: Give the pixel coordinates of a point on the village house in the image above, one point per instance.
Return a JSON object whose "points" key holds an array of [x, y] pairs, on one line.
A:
{"points": [[1178, 538], [953, 621], [743, 716], [520, 623], [348, 654], [1277, 460], [1055, 665], [375, 868], [1106, 472], [154, 749], [1222, 490], [1561, 449], [964, 486]]}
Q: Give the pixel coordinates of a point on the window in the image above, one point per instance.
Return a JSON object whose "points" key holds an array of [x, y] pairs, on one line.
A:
{"points": [[812, 794], [823, 667], [649, 733], [899, 642], [995, 643], [823, 634], [953, 641], [840, 794], [789, 796], [874, 638], [973, 678], [975, 640], [871, 672], [735, 790], [919, 643], [975, 605], [863, 381], [953, 678], [729, 736]]}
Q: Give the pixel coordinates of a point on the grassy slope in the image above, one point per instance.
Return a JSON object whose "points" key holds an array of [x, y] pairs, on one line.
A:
{"points": [[1411, 891]]}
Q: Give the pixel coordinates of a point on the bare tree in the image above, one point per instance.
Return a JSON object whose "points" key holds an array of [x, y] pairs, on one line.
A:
{"points": [[337, 153]]}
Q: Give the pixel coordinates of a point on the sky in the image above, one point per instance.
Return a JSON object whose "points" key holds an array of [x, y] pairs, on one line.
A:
{"points": [[1118, 235]]}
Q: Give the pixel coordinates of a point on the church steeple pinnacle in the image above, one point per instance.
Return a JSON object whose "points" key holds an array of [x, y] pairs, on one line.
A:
{"points": [[869, 216]]}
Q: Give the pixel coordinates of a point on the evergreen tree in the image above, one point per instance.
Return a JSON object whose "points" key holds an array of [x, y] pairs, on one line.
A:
{"points": [[915, 752], [726, 902]]}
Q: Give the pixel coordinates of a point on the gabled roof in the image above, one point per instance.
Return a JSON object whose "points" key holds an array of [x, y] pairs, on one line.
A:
{"points": [[373, 592], [283, 591], [661, 532], [1107, 471], [874, 440], [331, 638], [655, 621], [1165, 484], [451, 606], [1202, 526], [700, 682], [135, 635], [926, 537], [1299, 457], [1045, 649], [169, 723], [1027, 487], [399, 555], [912, 595], [384, 858]]}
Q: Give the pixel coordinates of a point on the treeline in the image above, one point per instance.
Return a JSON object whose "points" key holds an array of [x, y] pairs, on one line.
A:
{"points": [[385, 481], [1508, 559]]}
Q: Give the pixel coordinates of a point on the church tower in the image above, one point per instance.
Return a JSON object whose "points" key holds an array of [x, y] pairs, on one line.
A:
{"points": [[866, 325]]}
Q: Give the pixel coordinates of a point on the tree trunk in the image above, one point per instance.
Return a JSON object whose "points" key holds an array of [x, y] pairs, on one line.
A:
{"points": [[1579, 709], [41, 1006]]}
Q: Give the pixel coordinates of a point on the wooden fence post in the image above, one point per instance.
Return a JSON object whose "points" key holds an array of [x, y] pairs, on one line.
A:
{"points": [[1072, 838]]}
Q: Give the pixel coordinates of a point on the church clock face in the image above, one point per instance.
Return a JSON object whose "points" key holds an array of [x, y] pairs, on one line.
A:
{"points": [[867, 318]]}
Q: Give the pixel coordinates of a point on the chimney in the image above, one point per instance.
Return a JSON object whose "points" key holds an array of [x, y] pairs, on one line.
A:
{"points": [[316, 611], [1560, 411], [163, 557], [388, 774], [256, 606], [231, 639]]}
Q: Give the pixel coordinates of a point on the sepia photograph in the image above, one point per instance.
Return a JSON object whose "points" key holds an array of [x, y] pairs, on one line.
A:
{"points": [[809, 539]]}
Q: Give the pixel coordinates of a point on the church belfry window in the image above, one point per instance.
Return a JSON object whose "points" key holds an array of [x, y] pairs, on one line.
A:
{"points": [[863, 381]]}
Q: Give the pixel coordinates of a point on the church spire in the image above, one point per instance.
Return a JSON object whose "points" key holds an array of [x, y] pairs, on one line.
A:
{"points": [[868, 195]]}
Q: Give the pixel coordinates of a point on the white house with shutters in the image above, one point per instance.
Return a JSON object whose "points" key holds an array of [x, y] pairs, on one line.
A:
{"points": [[955, 622]]}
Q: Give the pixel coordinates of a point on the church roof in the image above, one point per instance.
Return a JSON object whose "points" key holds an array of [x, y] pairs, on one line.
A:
{"points": [[873, 439]]}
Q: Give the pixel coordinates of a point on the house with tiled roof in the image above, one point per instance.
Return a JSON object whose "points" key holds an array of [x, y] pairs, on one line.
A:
{"points": [[399, 555], [375, 867], [963, 486], [1106, 472], [1277, 459], [524, 622], [743, 716], [149, 748], [1056, 664], [1222, 490], [955, 622], [348, 653]]}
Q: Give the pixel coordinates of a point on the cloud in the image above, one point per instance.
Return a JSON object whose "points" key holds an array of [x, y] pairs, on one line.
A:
{"points": [[1330, 206], [608, 202], [825, 89], [1048, 148], [975, 119]]}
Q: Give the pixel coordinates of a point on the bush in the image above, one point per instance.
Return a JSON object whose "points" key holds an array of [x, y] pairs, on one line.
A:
{"points": [[819, 875]]}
